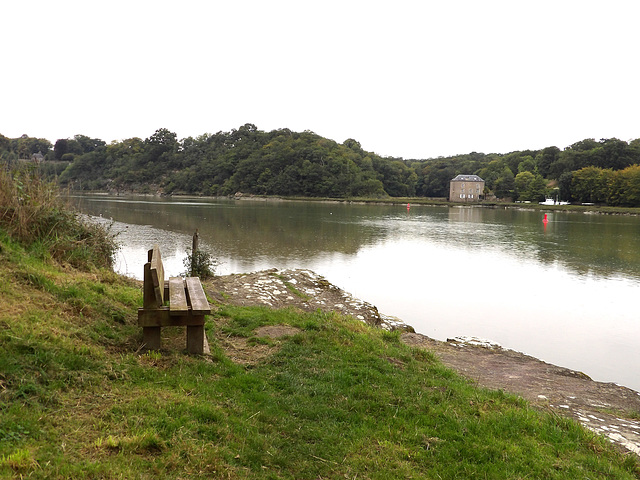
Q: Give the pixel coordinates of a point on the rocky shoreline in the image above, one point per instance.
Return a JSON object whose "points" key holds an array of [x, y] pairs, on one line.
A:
{"points": [[605, 408]]}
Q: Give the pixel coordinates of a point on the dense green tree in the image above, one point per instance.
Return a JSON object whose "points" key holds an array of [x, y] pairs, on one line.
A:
{"points": [[5, 143], [87, 172], [283, 162], [632, 186], [579, 155], [87, 144], [615, 154], [396, 177], [504, 186], [613, 187], [584, 145], [624, 187], [589, 185], [434, 179], [538, 189], [562, 165], [564, 186], [353, 145], [522, 181], [163, 143], [491, 173], [26, 146], [547, 157], [514, 159], [530, 187], [527, 164], [60, 148]]}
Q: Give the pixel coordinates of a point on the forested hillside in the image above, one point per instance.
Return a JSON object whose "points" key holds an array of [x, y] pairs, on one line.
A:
{"points": [[286, 163]]}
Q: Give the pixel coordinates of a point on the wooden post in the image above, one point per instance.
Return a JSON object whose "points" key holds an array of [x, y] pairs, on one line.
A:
{"points": [[151, 338], [195, 339], [194, 249], [196, 238]]}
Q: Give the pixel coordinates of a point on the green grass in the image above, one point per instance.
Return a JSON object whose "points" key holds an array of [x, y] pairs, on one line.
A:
{"points": [[337, 399]]}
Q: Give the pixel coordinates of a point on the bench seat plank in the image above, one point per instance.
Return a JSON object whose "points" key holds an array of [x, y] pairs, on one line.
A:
{"points": [[157, 274], [162, 317], [177, 297], [197, 297]]}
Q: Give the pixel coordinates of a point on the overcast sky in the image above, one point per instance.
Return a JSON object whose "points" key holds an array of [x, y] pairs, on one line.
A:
{"points": [[412, 79]]}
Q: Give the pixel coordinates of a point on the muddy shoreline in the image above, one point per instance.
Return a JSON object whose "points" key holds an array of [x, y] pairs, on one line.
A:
{"points": [[605, 408]]}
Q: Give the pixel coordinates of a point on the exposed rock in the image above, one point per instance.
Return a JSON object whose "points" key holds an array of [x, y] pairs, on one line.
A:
{"points": [[303, 289]]}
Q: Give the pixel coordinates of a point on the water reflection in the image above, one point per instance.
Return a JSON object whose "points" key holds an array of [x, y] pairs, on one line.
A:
{"points": [[563, 292], [255, 230]]}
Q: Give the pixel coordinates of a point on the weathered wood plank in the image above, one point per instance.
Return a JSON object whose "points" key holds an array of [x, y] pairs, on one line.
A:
{"points": [[197, 298], [163, 318], [177, 297], [195, 339], [151, 338], [157, 274], [149, 299]]}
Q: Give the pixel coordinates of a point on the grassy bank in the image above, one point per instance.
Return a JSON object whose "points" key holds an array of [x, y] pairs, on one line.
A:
{"points": [[331, 399], [32, 213], [334, 399]]}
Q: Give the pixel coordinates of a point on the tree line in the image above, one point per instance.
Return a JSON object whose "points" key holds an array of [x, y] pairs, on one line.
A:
{"points": [[286, 163]]}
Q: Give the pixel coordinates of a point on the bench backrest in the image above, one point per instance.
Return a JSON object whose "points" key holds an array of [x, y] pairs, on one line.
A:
{"points": [[153, 290]]}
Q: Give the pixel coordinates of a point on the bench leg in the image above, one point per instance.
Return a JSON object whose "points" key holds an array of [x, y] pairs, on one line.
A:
{"points": [[151, 337], [195, 339]]}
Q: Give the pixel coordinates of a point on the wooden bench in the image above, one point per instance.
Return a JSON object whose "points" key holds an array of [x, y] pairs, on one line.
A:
{"points": [[176, 302]]}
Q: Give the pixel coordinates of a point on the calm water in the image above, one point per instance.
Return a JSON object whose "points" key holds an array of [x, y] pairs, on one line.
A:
{"points": [[565, 293]]}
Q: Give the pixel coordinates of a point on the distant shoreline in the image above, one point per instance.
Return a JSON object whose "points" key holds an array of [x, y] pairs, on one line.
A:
{"points": [[404, 201]]}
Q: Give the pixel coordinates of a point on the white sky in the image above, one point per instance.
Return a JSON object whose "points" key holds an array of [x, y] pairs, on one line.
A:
{"points": [[413, 79]]}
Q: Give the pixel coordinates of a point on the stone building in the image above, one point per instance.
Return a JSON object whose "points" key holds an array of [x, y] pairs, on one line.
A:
{"points": [[466, 188]]}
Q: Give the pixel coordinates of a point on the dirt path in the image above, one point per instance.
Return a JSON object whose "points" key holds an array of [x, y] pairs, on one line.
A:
{"points": [[605, 408]]}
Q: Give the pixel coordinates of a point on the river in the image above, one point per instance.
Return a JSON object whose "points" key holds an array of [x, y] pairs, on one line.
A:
{"points": [[563, 291]]}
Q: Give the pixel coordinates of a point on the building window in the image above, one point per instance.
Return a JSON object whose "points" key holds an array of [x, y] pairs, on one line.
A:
{"points": [[462, 195]]}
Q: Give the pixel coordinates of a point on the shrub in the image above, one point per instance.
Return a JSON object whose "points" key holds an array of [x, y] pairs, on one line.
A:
{"points": [[200, 264], [33, 213]]}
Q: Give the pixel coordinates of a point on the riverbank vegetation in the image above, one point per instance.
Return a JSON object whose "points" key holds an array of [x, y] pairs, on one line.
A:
{"points": [[286, 163], [333, 399], [32, 212]]}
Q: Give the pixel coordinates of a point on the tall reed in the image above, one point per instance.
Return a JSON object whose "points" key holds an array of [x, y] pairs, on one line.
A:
{"points": [[33, 213]]}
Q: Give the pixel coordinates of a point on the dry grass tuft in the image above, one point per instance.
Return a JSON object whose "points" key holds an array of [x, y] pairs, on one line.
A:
{"points": [[33, 213]]}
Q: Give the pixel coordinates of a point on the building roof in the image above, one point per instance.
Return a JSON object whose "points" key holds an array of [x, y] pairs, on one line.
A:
{"points": [[467, 178]]}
